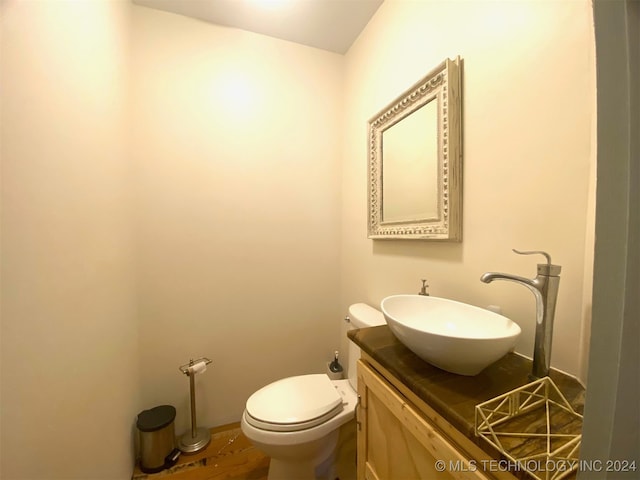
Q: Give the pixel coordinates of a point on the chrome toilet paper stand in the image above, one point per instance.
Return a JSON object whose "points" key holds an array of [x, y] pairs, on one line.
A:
{"points": [[198, 438]]}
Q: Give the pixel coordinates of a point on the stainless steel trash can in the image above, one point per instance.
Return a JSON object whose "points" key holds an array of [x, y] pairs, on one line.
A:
{"points": [[157, 438]]}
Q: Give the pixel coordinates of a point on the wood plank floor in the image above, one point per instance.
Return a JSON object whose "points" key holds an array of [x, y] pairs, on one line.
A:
{"points": [[229, 456]]}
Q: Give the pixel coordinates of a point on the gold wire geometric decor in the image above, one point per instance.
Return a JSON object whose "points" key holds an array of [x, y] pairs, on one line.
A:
{"points": [[519, 424]]}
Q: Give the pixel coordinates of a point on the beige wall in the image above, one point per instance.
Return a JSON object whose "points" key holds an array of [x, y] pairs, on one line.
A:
{"points": [[529, 109], [69, 332], [237, 145]]}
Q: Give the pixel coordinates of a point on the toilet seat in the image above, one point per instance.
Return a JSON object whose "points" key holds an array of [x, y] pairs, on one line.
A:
{"points": [[294, 404]]}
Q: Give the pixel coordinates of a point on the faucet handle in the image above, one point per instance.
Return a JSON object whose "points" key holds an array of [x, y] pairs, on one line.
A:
{"points": [[548, 269], [534, 252]]}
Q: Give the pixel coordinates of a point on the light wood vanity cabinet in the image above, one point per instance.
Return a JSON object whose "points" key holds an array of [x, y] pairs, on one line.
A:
{"points": [[397, 441]]}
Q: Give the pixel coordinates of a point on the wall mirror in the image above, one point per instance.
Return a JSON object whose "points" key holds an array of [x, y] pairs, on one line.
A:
{"points": [[415, 161]]}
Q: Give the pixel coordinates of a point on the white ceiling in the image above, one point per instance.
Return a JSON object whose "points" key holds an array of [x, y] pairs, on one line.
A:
{"points": [[327, 24]]}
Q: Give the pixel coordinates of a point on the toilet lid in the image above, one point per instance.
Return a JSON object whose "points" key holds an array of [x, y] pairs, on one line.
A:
{"points": [[294, 403]]}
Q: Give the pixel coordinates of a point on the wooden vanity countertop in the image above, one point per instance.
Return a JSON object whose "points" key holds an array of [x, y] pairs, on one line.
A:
{"points": [[455, 397]]}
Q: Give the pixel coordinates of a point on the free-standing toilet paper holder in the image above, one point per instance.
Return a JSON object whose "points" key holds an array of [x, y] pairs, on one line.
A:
{"points": [[197, 438]]}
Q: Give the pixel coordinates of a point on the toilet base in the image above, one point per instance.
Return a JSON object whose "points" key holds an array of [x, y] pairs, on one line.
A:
{"points": [[306, 461], [283, 470], [287, 470]]}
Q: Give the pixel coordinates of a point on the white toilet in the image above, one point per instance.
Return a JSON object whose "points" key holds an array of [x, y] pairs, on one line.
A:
{"points": [[296, 420]]}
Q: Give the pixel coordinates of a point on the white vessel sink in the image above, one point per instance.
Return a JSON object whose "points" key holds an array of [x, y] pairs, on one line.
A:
{"points": [[453, 336]]}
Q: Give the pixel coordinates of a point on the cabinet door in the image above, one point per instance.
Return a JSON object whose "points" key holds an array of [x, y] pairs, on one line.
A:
{"points": [[396, 443]]}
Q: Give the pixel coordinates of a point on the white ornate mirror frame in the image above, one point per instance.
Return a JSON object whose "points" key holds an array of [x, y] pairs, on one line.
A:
{"points": [[444, 222]]}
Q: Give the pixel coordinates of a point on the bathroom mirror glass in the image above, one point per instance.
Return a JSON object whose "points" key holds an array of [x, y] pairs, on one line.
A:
{"points": [[415, 162]]}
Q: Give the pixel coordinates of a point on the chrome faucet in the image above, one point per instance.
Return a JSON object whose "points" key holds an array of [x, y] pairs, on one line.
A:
{"points": [[545, 289]]}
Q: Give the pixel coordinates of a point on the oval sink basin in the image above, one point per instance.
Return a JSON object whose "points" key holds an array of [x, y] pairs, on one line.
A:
{"points": [[453, 336]]}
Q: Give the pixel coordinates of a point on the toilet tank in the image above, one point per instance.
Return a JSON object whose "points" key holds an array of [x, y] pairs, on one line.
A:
{"points": [[361, 315]]}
